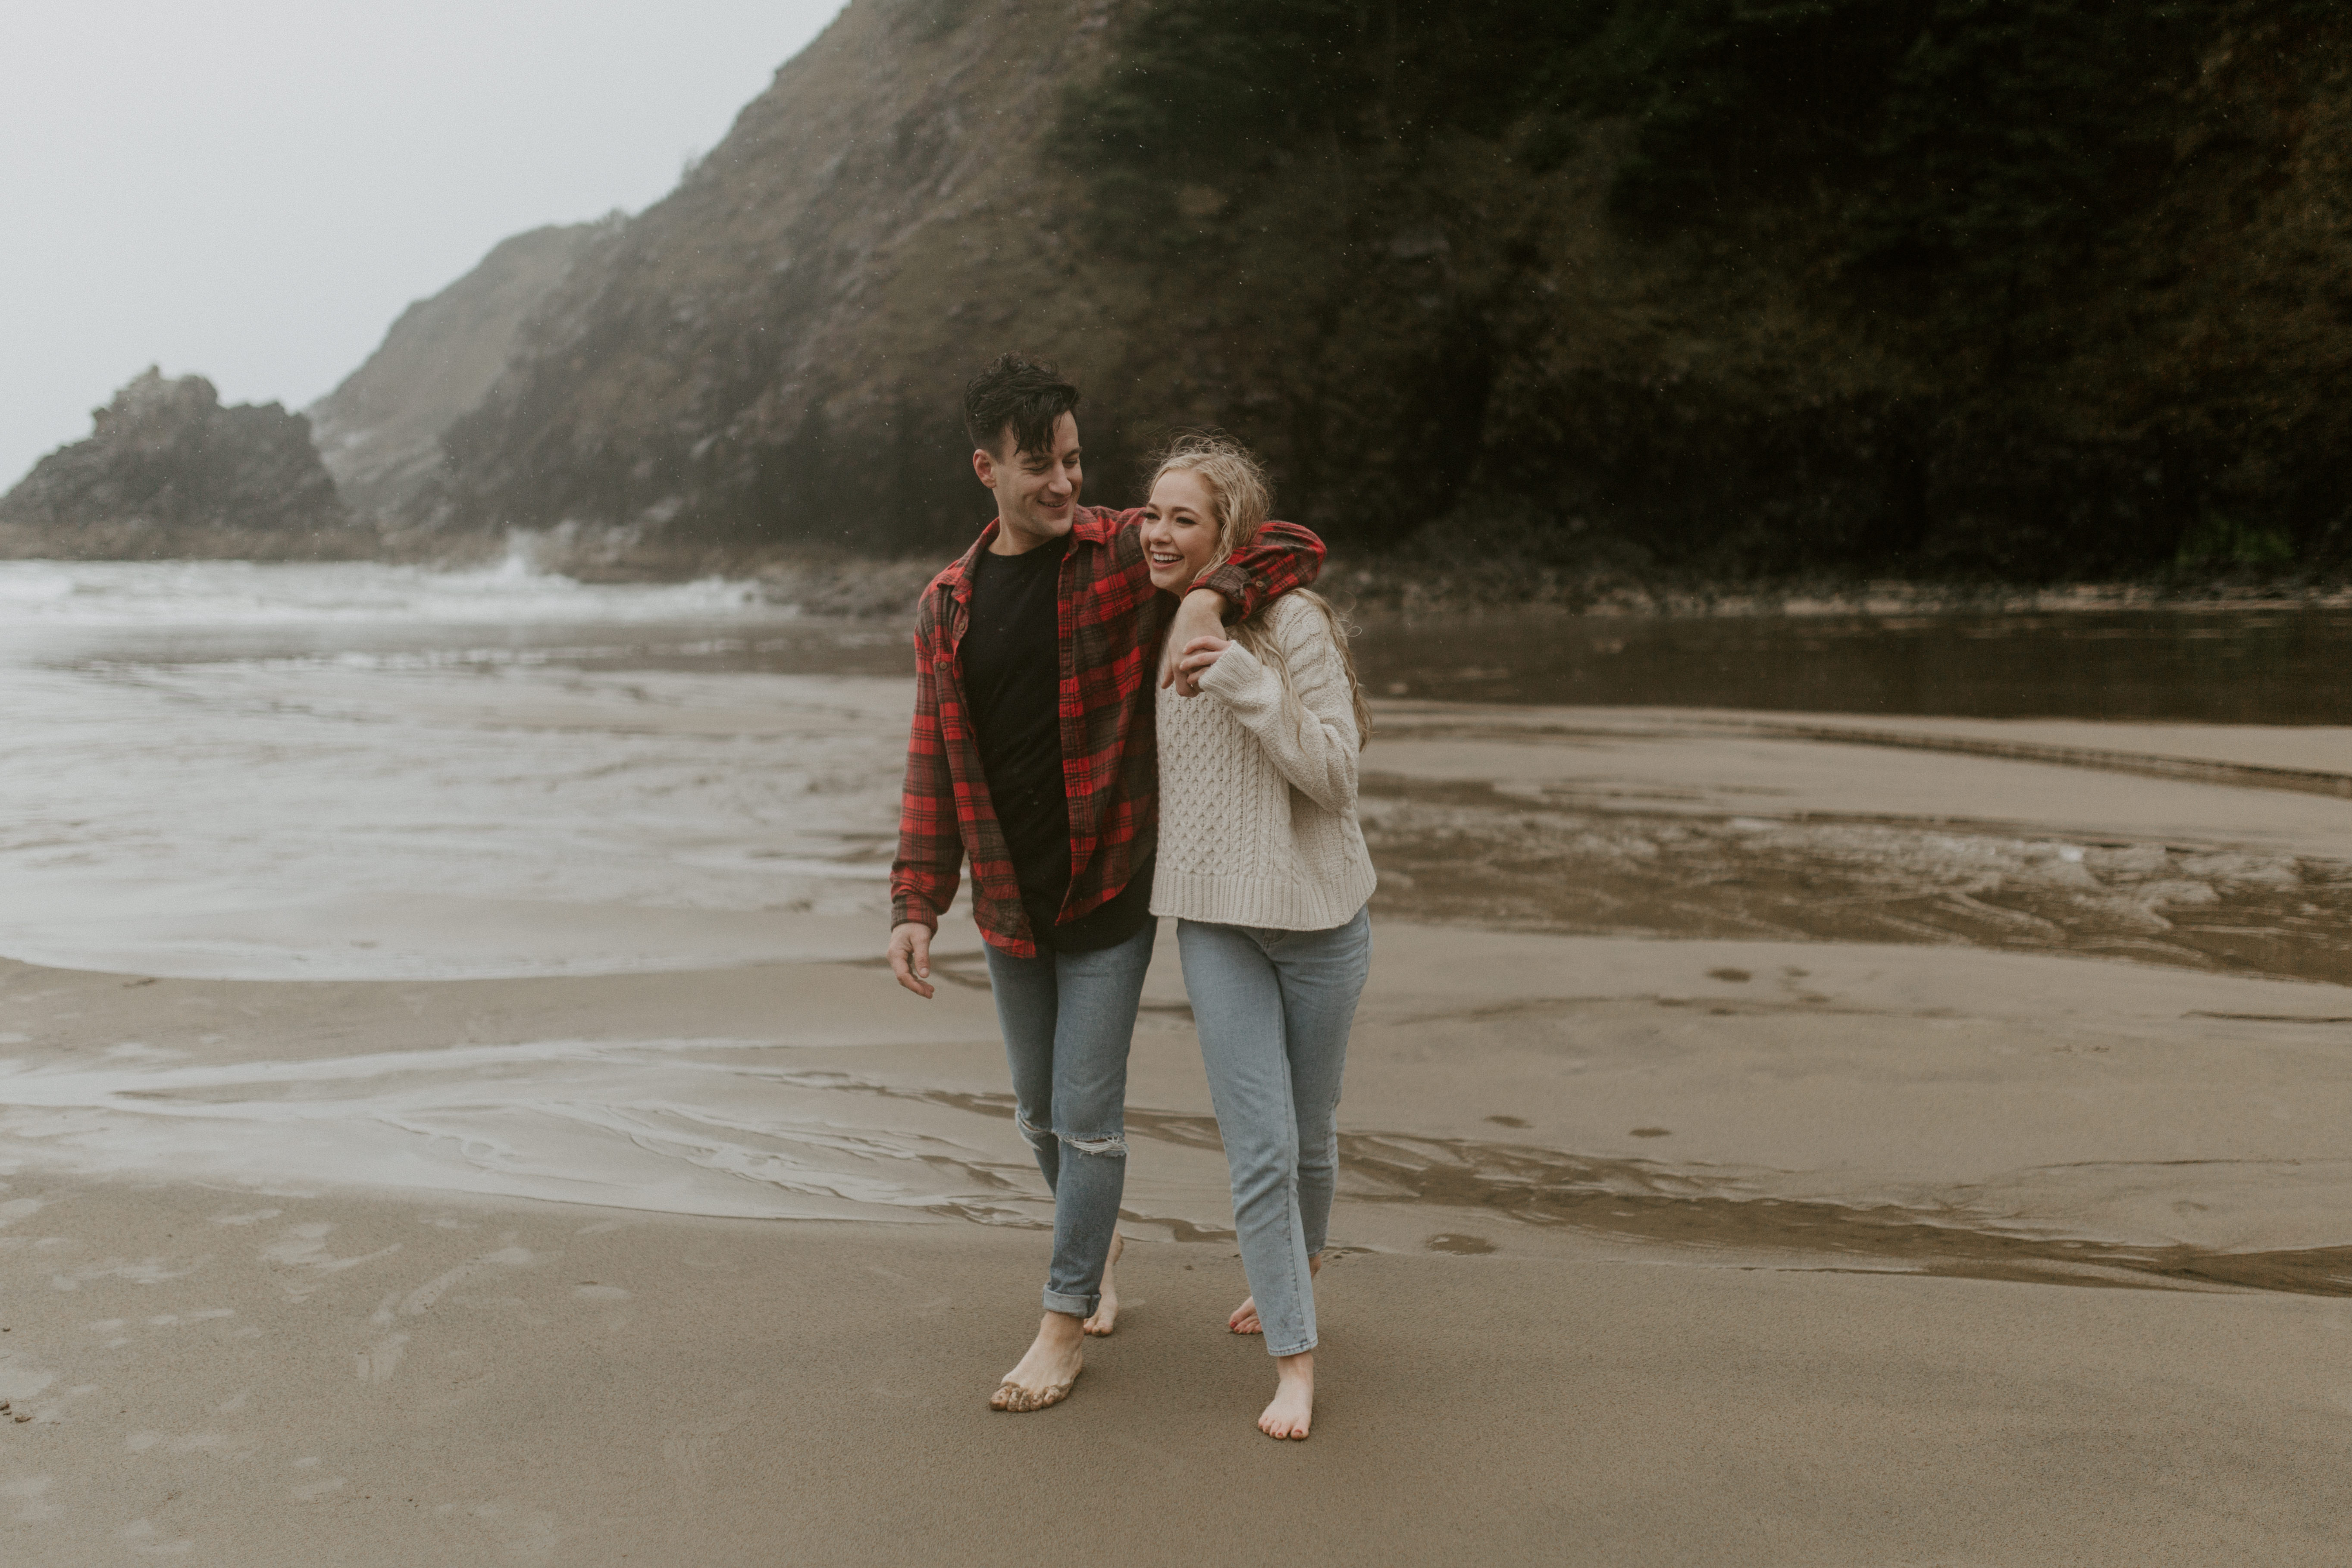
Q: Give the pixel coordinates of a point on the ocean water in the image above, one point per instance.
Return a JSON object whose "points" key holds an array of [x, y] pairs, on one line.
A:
{"points": [[2272, 665], [359, 771], [353, 770]]}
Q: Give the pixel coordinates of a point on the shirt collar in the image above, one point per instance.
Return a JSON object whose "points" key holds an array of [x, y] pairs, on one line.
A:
{"points": [[1091, 526]]}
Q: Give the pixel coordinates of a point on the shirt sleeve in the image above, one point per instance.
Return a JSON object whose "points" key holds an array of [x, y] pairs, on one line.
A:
{"points": [[930, 862], [1312, 742], [1279, 557]]}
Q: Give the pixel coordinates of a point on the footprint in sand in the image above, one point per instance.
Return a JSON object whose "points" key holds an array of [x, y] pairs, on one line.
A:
{"points": [[380, 1360], [31, 1496], [420, 1301], [146, 1271], [530, 1533], [50, 1410], [1459, 1245], [205, 1315], [20, 1380], [685, 1446], [148, 1541], [305, 1247], [623, 1312]]}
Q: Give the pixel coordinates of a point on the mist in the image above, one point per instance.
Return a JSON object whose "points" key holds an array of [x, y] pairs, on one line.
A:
{"points": [[253, 191]]}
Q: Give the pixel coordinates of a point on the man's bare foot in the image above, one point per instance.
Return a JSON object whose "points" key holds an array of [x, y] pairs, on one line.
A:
{"points": [[1106, 1316], [1294, 1397], [1045, 1373], [1244, 1317]]}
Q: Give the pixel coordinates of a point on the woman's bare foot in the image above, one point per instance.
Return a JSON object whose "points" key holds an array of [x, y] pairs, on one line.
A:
{"points": [[1106, 1316], [1294, 1397], [1044, 1377], [1244, 1317]]}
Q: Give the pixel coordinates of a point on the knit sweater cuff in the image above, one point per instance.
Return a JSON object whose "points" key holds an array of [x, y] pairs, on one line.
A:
{"points": [[1236, 676]]}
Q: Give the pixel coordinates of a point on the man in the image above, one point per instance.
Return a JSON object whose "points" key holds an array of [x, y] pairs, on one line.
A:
{"points": [[1032, 753]]}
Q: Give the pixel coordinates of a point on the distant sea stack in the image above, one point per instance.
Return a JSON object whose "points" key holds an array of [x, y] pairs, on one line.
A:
{"points": [[169, 472], [380, 431]]}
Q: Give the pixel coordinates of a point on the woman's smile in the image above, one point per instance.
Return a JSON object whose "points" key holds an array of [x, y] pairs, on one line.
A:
{"points": [[1180, 529]]}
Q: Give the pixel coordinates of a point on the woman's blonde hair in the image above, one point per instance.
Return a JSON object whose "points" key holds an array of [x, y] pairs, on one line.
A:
{"points": [[1243, 496]]}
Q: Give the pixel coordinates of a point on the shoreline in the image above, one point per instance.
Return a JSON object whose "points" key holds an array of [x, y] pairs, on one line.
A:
{"points": [[1386, 584], [857, 587]]}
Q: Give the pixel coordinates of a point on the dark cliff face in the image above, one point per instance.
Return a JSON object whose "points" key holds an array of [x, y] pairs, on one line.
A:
{"points": [[380, 431], [774, 353], [1713, 288], [170, 472]]}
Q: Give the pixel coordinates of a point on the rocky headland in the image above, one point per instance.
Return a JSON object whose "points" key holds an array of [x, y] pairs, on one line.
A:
{"points": [[1667, 292], [168, 471], [380, 431]]}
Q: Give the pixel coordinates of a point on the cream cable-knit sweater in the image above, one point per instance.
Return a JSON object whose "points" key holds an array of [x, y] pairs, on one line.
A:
{"points": [[1258, 797]]}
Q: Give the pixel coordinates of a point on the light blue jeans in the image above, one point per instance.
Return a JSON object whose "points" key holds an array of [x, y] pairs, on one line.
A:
{"points": [[1274, 1008], [1068, 1019]]}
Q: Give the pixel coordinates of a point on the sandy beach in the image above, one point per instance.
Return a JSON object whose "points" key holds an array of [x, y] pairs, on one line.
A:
{"points": [[1768, 1270], [1770, 1138]]}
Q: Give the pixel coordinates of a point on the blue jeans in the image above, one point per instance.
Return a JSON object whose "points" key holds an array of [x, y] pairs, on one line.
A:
{"points": [[1068, 1019], [1274, 1009]]}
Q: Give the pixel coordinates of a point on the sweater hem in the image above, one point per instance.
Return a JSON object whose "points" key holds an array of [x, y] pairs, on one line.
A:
{"points": [[1258, 901]]}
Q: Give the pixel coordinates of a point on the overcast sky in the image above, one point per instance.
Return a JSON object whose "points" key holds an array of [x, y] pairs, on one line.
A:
{"points": [[253, 189]]}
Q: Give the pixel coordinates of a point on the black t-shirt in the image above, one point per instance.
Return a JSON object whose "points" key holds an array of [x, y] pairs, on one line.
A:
{"points": [[1011, 656]]}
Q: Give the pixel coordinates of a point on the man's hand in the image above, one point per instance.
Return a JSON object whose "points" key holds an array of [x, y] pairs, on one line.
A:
{"points": [[1200, 617], [910, 956]]}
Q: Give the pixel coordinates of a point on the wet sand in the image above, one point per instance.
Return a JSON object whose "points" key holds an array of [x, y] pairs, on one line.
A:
{"points": [[1654, 1251], [547, 1387]]}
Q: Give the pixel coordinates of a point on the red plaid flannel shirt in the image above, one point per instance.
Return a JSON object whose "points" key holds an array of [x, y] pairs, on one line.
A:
{"points": [[1112, 620]]}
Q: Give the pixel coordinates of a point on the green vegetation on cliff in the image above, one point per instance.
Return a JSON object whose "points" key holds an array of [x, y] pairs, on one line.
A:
{"points": [[2026, 287]]}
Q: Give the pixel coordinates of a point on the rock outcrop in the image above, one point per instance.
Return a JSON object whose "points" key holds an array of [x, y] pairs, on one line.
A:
{"points": [[772, 353], [380, 431], [170, 472]]}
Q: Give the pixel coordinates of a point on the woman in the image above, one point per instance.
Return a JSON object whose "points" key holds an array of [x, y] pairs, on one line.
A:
{"points": [[1263, 863]]}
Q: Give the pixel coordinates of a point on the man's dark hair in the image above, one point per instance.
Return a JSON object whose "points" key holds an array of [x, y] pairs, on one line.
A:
{"points": [[1026, 396]]}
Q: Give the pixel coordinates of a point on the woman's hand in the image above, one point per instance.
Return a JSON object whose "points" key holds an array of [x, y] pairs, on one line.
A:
{"points": [[1194, 661]]}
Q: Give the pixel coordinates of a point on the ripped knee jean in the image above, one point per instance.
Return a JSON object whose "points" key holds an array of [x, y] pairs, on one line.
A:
{"points": [[1068, 1019]]}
